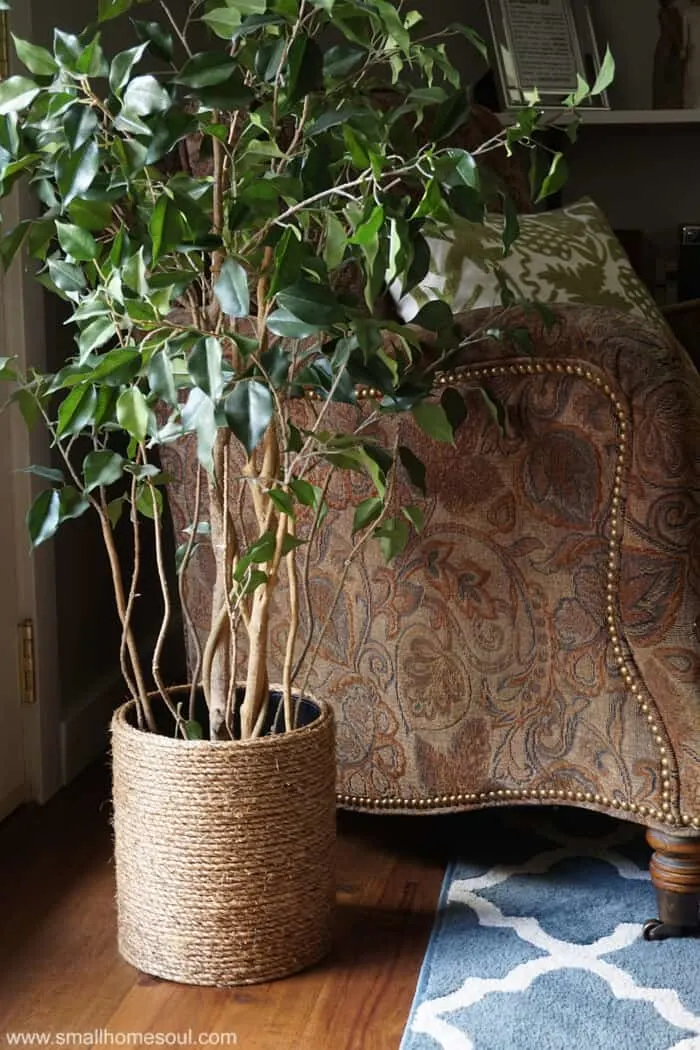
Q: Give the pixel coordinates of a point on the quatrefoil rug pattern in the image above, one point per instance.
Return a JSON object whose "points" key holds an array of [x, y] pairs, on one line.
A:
{"points": [[537, 945]]}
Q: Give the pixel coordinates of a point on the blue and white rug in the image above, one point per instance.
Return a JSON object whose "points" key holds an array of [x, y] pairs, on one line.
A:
{"points": [[537, 945]]}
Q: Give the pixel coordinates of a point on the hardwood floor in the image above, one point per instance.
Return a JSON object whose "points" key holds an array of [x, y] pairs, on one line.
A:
{"points": [[60, 971]]}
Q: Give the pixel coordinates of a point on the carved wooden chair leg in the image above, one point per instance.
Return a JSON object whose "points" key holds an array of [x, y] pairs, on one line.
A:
{"points": [[675, 873]]}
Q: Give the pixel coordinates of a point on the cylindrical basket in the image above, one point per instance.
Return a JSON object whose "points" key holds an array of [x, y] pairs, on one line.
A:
{"points": [[224, 851]]}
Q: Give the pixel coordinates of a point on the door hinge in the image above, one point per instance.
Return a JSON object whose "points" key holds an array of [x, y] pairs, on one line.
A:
{"points": [[27, 664]]}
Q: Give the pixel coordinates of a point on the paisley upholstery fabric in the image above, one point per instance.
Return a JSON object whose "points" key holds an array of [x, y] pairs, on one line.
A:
{"points": [[538, 640], [565, 256]]}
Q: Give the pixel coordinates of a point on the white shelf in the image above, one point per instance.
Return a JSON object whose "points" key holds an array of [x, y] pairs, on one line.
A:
{"points": [[627, 117]]}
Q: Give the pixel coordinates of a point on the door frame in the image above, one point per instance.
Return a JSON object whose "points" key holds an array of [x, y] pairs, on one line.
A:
{"points": [[23, 334]]}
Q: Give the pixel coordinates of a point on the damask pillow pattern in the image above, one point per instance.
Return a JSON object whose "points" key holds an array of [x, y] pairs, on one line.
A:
{"points": [[566, 256]]}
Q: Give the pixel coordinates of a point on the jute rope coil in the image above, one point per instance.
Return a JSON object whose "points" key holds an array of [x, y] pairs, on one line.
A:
{"points": [[224, 852]]}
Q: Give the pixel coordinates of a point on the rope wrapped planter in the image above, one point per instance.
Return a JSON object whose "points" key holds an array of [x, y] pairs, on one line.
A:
{"points": [[224, 851]]}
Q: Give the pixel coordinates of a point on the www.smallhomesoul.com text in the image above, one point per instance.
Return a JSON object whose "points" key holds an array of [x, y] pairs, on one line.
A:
{"points": [[104, 1037]]}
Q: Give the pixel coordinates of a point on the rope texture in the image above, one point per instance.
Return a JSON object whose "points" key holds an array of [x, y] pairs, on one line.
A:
{"points": [[224, 852]]}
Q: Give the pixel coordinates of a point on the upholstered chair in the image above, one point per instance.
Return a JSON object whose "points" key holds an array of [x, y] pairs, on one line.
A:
{"points": [[538, 642]]}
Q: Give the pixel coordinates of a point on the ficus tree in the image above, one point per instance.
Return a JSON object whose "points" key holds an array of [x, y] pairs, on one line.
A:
{"points": [[207, 296]]}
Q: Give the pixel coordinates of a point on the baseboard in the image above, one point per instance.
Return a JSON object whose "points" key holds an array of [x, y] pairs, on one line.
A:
{"points": [[85, 727], [13, 801]]}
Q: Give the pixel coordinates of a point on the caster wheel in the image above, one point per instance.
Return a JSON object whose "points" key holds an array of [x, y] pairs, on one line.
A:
{"points": [[655, 930], [652, 929]]}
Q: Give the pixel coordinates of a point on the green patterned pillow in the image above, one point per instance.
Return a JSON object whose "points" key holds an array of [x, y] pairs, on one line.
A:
{"points": [[565, 256]]}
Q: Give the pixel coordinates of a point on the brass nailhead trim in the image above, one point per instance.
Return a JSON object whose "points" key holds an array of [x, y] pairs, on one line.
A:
{"points": [[668, 814]]}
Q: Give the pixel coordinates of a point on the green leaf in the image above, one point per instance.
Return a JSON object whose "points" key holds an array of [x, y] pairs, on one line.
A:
{"points": [[455, 408], [107, 9], [606, 74], [475, 40], [287, 261], [157, 37], [37, 59], [306, 493], [134, 274], [496, 409], [146, 497], [356, 148], [335, 243], [193, 730], [80, 124], [580, 94], [166, 227], [207, 70], [367, 512], [451, 114], [115, 509], [248, 409], [393, 537], [223, 21], [430, 203], [399, 248], [161, 378], [261, 551], [27, 405], [253, 579], [5, 371], [145, 95], [17, 93], [76, 242], [254, 23], [75, 172], [283, 501], [90, 215], [66, 277], [91, 60], [285, 324], [341, 59], [77, 410], [457, 167], [467, 203], [204, 365], [556, 177], [435, 316], [419, 266], [67, 50], [332, 119], [72, 504], [133, 413], [117, 367], [198, 415], [304, 68], [290, 543], [43, 517], [367, 231], [96, 334], [433, 421], [416, 517], [101, 468], [310, 302], [231, 289], [47, 473], [414, 467], [12, 242], [122, 65]]}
